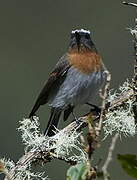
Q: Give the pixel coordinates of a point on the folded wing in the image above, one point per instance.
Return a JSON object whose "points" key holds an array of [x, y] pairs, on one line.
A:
{"points": [[56, 77]]}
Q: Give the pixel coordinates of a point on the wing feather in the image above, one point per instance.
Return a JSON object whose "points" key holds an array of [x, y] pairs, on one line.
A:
{"points": [[56, 77]]}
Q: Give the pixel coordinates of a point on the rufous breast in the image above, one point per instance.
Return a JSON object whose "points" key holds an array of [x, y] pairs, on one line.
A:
{"points": [[85, 61]]}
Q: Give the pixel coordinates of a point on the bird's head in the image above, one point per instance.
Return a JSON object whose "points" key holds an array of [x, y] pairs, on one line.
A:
{"points": [[81, 40]]}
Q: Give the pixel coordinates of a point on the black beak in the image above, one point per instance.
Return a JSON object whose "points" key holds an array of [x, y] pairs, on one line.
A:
{"points": [[77, 39]]}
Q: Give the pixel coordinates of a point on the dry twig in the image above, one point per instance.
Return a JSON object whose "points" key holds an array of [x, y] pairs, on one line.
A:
{"points": [[109, 157], [130, 4], [104, 97]]}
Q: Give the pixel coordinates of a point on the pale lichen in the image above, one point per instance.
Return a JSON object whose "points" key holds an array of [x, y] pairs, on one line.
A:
{"points": [[21, 172], [65, 144], [121, 119]]}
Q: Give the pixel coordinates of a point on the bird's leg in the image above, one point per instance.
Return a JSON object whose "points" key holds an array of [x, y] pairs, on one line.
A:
{"points": [[95, 108], [67, 112], [74, 115]]}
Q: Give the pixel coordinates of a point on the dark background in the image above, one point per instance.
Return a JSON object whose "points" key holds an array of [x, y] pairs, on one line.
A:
{"points": [[33, 35]]}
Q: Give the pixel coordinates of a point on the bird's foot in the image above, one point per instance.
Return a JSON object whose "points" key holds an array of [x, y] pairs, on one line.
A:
{"points": [[95, 109], [75, 118]]}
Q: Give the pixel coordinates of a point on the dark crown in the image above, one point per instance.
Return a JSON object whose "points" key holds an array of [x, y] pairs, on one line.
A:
{"points": [[80, 38]]}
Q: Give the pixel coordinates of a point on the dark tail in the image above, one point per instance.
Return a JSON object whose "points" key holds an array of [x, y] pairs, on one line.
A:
{"points": [[34, 109], [53, 122], [67, 112]]}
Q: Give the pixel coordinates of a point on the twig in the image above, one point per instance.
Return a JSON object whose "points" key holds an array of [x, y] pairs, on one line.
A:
{"points": [[109, 157], [134, 33], [71, 162], [94, 132], [134, 86], [130, 4], [8, 175], [104, 96], [120, 100], [4, 170]]}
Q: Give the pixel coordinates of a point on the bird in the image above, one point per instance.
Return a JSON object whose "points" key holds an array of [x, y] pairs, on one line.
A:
{"points": [[75, 79]]}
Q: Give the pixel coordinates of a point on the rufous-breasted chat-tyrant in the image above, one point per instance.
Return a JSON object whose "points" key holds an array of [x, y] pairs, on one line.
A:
{"points": [[75, 80]]}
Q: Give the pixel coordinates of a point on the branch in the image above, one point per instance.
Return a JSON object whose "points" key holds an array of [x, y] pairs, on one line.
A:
{"points": [[134, 33], [109, 157], [45, 155], [4, 170], [120, 100], [94, 131]]}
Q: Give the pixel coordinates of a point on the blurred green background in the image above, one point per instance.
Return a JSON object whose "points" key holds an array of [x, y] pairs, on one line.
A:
{"points": [[33, 35]]}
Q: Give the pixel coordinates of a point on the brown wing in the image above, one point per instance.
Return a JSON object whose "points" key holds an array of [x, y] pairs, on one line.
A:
{"points": [[55, 79]]}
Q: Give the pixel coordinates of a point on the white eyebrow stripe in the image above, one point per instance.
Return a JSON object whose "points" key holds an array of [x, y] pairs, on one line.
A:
{"points": [[80, 30]]}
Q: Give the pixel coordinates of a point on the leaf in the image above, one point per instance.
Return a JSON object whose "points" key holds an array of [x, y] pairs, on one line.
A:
{"points": [[77, 172], [129, 164]]}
